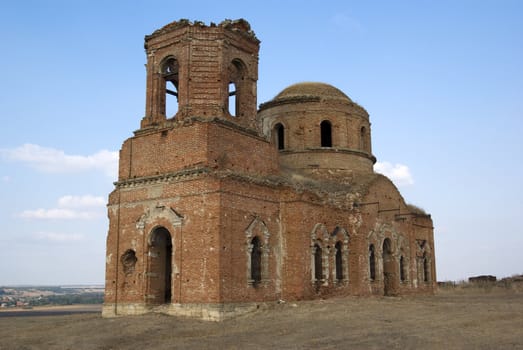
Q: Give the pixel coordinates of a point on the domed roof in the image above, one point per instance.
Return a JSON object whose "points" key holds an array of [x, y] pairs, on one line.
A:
{"points": [[310, 89]]}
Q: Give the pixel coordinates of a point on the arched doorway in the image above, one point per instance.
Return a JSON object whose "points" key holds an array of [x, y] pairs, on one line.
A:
{"points": [[160, 266], [388, 268]]}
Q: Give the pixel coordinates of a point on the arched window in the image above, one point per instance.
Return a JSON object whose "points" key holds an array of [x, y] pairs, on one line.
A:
{"points": [[170, 74], [236, 88], [339, 261], [402, 269], [388, 267], [326, 134], [279, 131], [318, 263], [256, 265], [372, 263], [425, 269], [257, 253], [363, 138]]}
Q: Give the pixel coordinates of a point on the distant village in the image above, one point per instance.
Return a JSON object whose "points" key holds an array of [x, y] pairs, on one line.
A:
{"points": [[29, 296]]}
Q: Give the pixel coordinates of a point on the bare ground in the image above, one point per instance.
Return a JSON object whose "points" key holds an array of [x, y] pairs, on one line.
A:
{"points": [[472, 318]]}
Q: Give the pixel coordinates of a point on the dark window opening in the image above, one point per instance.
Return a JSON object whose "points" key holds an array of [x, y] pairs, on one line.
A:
{"points": [[318, 264], [402, 269], [280, 135], [168, 271], [326, 134], [256, 260], [339, 261], [170, 74], [372, 263], [387, 249], [425, 269]]}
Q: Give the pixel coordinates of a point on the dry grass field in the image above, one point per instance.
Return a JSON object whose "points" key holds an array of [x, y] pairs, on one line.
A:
{"points": [[463, 317]]}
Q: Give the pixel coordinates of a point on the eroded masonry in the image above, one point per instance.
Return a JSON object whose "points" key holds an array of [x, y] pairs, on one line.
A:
{"points": [[221, 205]]}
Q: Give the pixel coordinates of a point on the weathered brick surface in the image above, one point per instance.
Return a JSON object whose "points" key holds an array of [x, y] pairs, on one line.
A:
{"points": [[195, 192]]}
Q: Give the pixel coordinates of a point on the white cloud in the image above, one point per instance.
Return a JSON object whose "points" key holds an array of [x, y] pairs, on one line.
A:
{"points": [[5, 178], [86, 201], [59, 237], [398, 173], [57, 213], [57, 161], [70, 207]]}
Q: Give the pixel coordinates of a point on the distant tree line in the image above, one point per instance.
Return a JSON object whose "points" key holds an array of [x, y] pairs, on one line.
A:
{"points": [[68, 299]]}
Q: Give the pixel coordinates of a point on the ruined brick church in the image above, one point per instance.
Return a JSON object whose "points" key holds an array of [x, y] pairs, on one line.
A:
{"points": [[220, 205]]}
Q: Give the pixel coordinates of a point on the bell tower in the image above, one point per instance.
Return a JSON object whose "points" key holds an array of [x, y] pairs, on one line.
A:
{"points": [[203, 72]]}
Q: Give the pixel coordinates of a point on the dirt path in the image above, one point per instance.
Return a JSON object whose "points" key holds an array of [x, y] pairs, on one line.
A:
{"points": [[475, 319]]}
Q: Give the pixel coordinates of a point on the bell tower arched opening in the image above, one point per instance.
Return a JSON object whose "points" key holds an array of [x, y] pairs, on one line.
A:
{"points": [[170, 75], [232, 99], [236, 88]]}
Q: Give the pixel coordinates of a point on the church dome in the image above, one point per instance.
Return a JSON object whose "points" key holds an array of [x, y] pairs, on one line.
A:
{"points": [[312, 90], [318, 131]]}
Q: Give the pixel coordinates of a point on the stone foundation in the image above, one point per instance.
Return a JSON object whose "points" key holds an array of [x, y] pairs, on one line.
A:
{"points": [[206, 312]]}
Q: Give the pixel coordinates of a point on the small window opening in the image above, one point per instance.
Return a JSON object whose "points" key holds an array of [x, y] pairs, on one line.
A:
{"points": [[402, 269], [256, 260], [326, 134], [280, 136], [232, 99], [170, 73], [339, 262], [318, 265], [372, 263]]}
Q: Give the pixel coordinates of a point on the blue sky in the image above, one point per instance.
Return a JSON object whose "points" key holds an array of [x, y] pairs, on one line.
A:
{"points": [[441, 80]]}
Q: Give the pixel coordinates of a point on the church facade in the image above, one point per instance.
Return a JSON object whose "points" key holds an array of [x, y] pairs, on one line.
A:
{"points": [[220, 205]]}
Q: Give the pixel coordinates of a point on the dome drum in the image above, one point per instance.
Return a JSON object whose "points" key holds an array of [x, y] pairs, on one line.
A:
{"points": [[316, 126]]}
